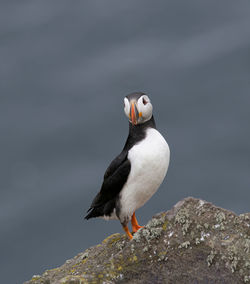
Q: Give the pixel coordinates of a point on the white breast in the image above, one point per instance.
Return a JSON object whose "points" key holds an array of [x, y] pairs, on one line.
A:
{"points": [[149, 163]]}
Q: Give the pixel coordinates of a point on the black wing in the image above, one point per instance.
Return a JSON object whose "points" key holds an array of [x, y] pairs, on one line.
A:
{"points": [[115, 177]]}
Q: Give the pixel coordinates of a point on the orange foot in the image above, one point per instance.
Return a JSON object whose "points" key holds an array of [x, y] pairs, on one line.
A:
{"points": [[135, 225], [125, 228]]}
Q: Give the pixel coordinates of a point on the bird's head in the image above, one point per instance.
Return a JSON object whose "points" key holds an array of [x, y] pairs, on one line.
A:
{"points": [[138, 108]]}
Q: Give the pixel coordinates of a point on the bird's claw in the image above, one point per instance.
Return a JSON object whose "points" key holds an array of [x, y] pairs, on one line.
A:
{"points": [[135, 228]]}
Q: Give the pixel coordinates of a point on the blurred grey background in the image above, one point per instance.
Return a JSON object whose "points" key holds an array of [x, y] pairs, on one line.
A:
{"points": [[65, 67]]}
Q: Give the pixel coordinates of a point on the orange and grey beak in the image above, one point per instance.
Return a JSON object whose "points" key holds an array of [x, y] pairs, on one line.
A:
{"points": [[134, 114]]}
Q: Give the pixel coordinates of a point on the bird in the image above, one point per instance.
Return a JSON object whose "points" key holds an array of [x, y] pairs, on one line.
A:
{"points": [[137, 172]]}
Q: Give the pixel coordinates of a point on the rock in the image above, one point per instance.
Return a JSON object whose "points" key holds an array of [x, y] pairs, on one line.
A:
{"points": [[194, 242]]}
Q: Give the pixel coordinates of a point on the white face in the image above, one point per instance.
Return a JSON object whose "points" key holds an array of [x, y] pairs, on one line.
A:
{"points": [[138, 111]]}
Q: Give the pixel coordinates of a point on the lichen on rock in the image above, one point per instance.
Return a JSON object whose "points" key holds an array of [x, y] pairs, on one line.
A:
{"points": [[194, 242]]}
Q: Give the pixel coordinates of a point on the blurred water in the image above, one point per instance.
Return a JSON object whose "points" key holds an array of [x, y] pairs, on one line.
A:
{"points": [[65, 68]]}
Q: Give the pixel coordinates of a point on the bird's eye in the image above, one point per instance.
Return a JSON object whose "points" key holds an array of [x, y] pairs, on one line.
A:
{"points": [[144, 101]]}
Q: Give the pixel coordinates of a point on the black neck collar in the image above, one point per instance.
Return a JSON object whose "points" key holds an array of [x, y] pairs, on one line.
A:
{"points": [[138, 132]]}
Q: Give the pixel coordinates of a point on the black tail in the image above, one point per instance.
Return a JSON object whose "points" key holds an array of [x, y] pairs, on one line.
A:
{"points": [[93, 213], [102, 210]]}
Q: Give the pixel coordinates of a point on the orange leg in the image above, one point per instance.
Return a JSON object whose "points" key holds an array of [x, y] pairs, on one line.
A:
{"points": [[125, 228], [135, 225]]}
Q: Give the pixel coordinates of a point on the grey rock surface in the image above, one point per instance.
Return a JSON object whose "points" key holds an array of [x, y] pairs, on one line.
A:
{"points": [[194, 242]]}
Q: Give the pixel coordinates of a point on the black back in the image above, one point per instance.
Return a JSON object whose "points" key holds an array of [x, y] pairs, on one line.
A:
{"points": [[117, 173]]}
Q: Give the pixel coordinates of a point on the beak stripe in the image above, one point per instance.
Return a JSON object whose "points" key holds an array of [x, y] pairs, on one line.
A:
{"points": [[134, 114]]}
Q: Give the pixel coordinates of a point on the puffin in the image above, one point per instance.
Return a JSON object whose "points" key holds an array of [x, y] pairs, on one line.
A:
{"points": [[137, 172]]}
